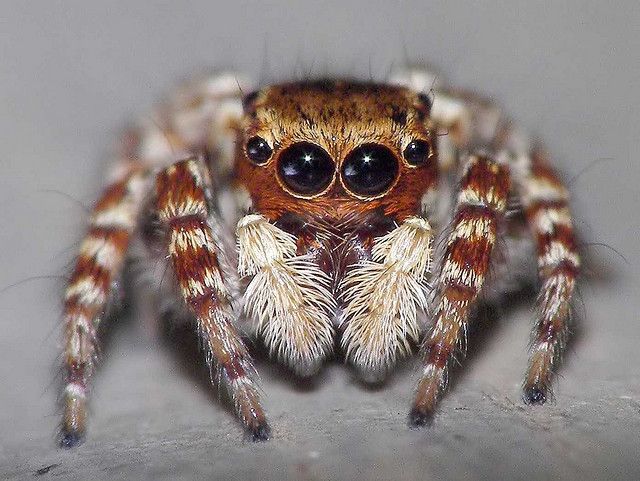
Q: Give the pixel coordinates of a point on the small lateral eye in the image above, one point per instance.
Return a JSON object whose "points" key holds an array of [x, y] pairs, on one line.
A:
{"points": [[258, 150], [417, 152], [426, 100]]}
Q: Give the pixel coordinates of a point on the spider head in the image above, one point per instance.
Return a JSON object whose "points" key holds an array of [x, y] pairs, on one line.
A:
{"points": [[334, 148]]}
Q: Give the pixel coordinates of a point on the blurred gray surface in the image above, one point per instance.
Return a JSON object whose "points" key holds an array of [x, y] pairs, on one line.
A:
{"points": [[73, 73]]}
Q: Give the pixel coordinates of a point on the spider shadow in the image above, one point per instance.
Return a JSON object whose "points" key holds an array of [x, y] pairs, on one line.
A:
{"points": [[278, 373], [179, 337], [182, 341], [399, 373], [274, 372], [491, 316]]}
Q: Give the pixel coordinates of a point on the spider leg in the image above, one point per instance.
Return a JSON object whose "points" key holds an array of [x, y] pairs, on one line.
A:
{"points": [[197, 256], [464, 119], [470, 121], [545, 202], [200, 116], [480, 207], [98, 267]]}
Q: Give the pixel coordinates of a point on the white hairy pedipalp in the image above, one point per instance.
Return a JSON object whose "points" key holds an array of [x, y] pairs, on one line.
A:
{"points": [[383, 297], [288, 297]]}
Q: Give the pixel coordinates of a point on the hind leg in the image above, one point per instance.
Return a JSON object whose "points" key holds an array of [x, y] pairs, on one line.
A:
{"points": [[545, 201], [91, 286]]}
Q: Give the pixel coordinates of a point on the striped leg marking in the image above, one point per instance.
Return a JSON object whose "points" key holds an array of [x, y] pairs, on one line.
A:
{"points": [[545, 200], [195, 251], [98, 266], [480, 207]]}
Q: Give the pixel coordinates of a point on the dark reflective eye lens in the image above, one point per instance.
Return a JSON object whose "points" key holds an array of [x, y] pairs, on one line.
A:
{"points": [[305, 168], [258, 150], [417, 152], [369, 169], [426, 100]]}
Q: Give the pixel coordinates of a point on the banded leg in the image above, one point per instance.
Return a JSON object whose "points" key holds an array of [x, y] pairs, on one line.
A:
{"points": [[90, 288], [545, 200], [480, 207], [470, 120], [196, 254]]}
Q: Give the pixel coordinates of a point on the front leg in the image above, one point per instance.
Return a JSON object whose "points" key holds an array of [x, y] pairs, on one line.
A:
{"points": [[481, 204], [195, 253]]}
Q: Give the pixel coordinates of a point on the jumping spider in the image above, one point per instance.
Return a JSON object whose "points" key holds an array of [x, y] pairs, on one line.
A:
{"points": [[338, 189]]}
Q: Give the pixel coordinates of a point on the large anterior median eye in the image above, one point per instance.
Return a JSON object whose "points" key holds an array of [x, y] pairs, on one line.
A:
{"points": [[369, 170], [305, 168]]}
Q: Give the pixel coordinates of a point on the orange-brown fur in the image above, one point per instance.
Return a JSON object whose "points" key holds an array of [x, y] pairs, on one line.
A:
{"points": [[329, 250], [338, 116]]}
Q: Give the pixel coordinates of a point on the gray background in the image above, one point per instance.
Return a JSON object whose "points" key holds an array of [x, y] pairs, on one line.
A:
{"points": [[72, 73]]}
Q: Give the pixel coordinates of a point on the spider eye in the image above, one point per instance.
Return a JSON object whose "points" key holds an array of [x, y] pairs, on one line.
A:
{"points": [[417, 152], [369, 169], [305, 168], [258, 150], [426, 101]]}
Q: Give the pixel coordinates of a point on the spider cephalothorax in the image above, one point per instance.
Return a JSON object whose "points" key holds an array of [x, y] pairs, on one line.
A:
{"points": [[337, 165], [339, 190], [338, 148]]}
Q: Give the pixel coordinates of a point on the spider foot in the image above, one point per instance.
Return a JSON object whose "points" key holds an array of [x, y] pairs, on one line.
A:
{"points": [[420, 417], [70, 439], [534, 395], [261, 432]]}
